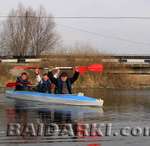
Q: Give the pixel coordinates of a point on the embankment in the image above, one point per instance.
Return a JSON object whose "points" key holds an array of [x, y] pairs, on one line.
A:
{"points": [[107, 79]]}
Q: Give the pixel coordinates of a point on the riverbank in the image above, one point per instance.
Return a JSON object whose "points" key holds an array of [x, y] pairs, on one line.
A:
{"points": [[89, 79]]}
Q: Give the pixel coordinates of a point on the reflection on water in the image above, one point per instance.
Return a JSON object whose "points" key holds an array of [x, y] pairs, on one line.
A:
{"points": [[121, 108]]}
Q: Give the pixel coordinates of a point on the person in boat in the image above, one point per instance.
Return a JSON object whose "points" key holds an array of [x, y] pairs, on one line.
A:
{"points": [[63, 83], [22, 82], [44, 84]]}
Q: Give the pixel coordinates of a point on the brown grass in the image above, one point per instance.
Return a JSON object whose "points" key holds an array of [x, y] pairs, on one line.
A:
{"points": [[92, 80], [89, 79], [5, 75]]}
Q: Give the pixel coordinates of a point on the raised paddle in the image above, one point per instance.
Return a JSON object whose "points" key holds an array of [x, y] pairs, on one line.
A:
{"points": [[28, 67], [36, 67], [81, 69]]}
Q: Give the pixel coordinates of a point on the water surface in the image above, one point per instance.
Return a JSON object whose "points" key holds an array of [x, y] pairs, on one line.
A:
{"points": [[122, 108]]}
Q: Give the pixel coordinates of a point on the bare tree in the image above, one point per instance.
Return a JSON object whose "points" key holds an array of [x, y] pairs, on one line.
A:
{"points": [[28, 32]]}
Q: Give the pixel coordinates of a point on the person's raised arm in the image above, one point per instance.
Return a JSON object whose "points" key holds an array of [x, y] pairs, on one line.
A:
{"points": [[53, 75], [75, 76], [38, 76]]}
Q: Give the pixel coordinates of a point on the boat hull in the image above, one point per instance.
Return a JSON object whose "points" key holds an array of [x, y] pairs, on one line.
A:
{"points": [[64, 99]]}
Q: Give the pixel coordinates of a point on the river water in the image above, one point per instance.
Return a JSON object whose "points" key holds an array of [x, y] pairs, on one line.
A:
{"points": [[122, 108]]}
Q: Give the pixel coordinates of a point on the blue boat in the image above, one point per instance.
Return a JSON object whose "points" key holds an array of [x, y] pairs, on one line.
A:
{"points": [[63, 99]]}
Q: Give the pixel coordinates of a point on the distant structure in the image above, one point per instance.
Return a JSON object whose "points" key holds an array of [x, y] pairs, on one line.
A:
{"points": [[127, 59]]}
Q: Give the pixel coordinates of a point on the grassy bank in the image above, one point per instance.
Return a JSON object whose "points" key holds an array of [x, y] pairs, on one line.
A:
{"points": [[94, 80], [89, 79], [5, 74]]}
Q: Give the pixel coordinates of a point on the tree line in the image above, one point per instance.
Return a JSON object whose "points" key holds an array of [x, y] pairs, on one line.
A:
{"points": [[28, 32]]}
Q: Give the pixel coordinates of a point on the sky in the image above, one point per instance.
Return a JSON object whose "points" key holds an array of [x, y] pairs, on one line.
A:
{"points": [[117, 36]]}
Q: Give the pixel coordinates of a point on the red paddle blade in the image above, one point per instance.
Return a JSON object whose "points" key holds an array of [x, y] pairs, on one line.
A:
{"points": [[24, 67], [82, 69], [14, 84], [96, 68], [11, 85], [94, 145]]}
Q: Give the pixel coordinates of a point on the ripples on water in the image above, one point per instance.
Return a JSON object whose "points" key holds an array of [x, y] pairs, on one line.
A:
{"points": [[122, 108]]}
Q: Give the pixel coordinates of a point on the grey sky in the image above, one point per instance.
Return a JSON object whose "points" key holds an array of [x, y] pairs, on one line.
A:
{"points": [[105, 34]]}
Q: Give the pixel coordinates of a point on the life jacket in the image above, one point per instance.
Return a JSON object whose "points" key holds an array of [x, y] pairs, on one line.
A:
{"points": [[22, 84], [44, 86], [59, 86]]}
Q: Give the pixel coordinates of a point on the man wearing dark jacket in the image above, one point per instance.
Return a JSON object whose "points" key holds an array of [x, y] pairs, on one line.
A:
{"points": [[63, 83], [44, 84], [22, 82]]}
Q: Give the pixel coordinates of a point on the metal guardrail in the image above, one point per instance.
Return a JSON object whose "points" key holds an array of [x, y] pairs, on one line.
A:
{"points": [[21, 60]]}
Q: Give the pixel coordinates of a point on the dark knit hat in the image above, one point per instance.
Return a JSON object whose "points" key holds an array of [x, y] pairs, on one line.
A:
{"points": [[63, 74], [24, 73]]}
